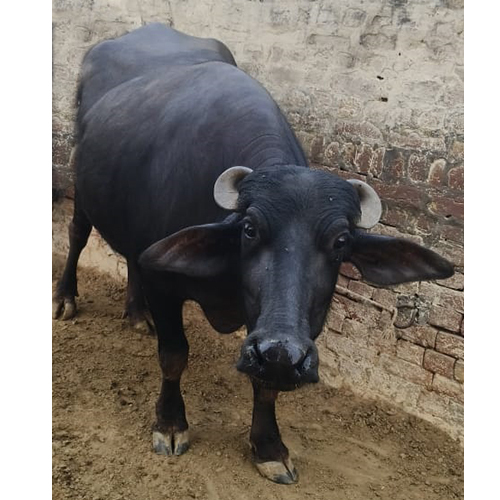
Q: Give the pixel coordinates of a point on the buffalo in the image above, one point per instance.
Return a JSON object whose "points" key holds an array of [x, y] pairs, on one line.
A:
{"points": [[187, 167]]}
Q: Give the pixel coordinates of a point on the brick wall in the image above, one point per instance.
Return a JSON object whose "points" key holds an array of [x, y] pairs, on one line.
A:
{"points": [[404, 344], [374, 90]]}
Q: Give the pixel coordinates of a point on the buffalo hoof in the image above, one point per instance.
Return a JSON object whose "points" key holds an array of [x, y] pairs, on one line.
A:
{"points": [[63, 307], [143, 326], [279, 472], [174, 443], [139, 321]]}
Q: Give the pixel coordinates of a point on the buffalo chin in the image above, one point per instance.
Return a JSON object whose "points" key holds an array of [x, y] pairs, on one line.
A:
{"points": [[282, 386], [277, 384]]}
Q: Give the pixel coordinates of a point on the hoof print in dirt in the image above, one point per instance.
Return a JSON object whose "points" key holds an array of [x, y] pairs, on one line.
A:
{"points": [[175, 443], [63, 308], [279, 472]]}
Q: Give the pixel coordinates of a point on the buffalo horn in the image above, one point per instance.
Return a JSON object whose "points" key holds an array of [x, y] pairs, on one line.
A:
{"points": [[371, 207], [226, 187]]}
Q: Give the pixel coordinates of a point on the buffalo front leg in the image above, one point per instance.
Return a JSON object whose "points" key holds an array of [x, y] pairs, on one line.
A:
{"points": [[63, 300], [270, 454], [170, 432]]}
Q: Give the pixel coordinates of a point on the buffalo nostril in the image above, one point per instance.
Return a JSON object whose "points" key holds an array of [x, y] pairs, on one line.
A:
{"points": [[257, 353], [280, 353], [296, 356], [307, 361]]}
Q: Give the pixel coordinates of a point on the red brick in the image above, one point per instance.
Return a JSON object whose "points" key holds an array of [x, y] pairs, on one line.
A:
{"points": [[450, 344], [362, 158], [405, 196], [449, 387], [394, 166], [440, 363], [451, 251], [452, 299], [361, 288], [442, 296], [331, 155], [420, 335], [348, 153], [384, 297], [453, 233], [367, 160], [447, 207], [456, 178], [418, 168], [456, 282], [425, 223], [445, 317], [335, 321], [359, 311], [410, 352], [396, 216], [377, 162]]}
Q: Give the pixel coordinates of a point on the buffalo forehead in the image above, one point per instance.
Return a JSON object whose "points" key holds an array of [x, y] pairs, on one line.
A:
{"points": [[291, 191]]}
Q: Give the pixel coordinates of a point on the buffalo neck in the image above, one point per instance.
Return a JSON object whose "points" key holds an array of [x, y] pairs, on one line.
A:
{"points": [[270, 149]]}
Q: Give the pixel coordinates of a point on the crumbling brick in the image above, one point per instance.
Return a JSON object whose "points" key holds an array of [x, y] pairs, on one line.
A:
{"points": [[456, 178], [444, 317], [440, 363], [450, 344], [384, 297], [424, 336], [335, 321], [361, 288], [447, 386], [410, 352], [459, 371], [406, 370]]}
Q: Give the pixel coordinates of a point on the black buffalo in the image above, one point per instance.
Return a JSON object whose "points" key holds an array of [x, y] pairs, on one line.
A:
{"points": [[187, 167]]}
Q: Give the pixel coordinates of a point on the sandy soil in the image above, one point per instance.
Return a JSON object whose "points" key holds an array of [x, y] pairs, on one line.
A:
{"points": [[105, 384]]}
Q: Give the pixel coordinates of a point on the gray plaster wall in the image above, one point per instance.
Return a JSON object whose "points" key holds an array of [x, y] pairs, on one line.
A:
{"points": [[374, 90]]}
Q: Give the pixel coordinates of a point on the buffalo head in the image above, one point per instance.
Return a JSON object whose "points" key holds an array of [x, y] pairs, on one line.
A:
{"points": [[290, 230]]}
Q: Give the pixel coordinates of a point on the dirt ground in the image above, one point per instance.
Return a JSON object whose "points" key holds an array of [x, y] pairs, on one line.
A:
{"points": [[105, 384]]}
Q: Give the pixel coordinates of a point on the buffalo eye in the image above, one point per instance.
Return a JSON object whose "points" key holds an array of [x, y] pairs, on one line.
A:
{"points": [[249, 230], [341, 242]]}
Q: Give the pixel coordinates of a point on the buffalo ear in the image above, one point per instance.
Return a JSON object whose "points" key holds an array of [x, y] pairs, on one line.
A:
{"points": [[385, 260], [197, 251]]}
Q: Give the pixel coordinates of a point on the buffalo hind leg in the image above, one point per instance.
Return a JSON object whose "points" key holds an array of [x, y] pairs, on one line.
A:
{"points": [[170, 432], [270, 454], [135, 305], [63, 300]]}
